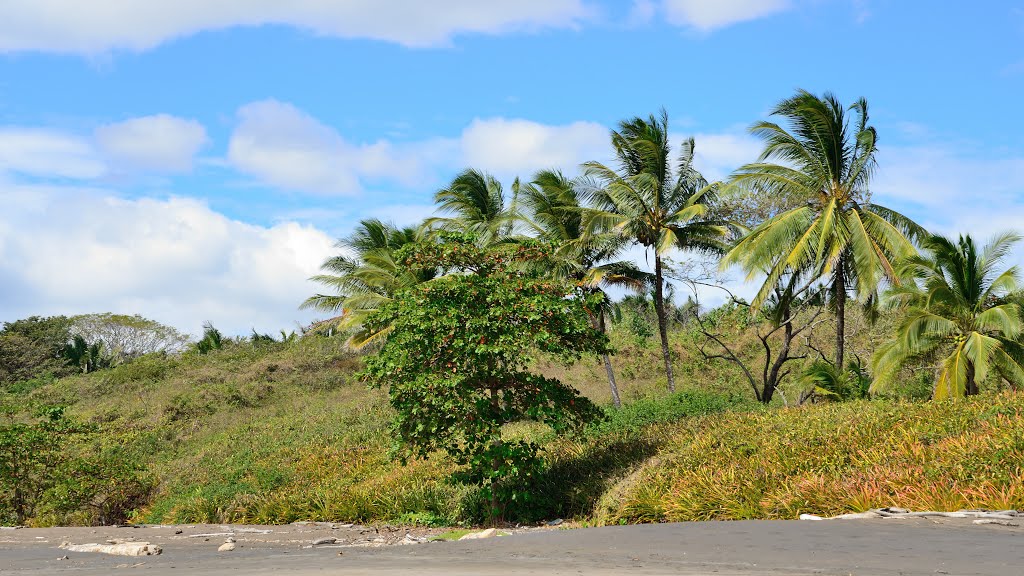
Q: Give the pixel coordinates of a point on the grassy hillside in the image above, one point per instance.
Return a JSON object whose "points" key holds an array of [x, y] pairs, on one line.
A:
{"points": [[279, 432], [829, 460]]}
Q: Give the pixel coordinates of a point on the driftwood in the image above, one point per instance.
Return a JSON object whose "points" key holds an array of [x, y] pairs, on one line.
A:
{"points": [[121, 549]]}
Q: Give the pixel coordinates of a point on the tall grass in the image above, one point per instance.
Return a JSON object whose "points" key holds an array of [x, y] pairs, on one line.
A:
{"points": [[282, 432], [833, 459]]}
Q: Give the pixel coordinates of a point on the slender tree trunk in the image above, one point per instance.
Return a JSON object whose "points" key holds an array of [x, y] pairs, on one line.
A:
{"points": [[771, 382], [839, 289], [608, 365], [972, 385], [496, 512], [659, 308]]}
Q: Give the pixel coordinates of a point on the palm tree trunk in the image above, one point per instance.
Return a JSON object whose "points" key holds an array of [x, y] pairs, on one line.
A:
{"points": [[608, 365], [659, 308], [972, 385], [839, 287]]}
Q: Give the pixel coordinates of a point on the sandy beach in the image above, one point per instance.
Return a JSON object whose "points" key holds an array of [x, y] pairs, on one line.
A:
{"points": [[852, 547]]}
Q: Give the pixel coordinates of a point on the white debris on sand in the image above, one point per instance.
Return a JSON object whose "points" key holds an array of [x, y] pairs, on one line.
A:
{"points": [[1002, 517], [489, 533], [119, 549]]}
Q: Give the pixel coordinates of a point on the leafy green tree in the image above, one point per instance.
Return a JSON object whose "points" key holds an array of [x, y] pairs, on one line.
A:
{"points": [[30, 455], [365, 276], [22, 358], [553, 209], [52, 332], [32, 347], [821, 379], [474, 202], [212, 339], [87, 357], [824, 167], [660, 207], [52, 465], [456, 360], [956, 310]]}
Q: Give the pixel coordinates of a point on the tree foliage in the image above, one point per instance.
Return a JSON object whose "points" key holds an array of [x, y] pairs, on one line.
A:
{"points": [[365, 276], [456, 360], [823, 165], [51, 332], [126, 337], [22, 358], [660, 206], [474, 203], [50, 464], [212, 339], [554, 208], [956, 311]]}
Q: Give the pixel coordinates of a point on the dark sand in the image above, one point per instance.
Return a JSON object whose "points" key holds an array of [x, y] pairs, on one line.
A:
{"points": [[842, 547]]}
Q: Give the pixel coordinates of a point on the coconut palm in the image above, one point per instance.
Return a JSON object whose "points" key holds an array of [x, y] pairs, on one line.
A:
{"points": [[956, 310], [365, 275], [824, 165], [661, 207], [474, 202], [553, 209]]}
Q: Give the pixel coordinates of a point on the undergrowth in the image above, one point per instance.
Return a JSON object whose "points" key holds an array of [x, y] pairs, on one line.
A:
{"points": [[282, 432], [833, 459]]}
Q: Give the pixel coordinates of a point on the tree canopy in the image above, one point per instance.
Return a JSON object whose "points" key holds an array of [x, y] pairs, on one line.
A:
{"points": [[455, 361]]}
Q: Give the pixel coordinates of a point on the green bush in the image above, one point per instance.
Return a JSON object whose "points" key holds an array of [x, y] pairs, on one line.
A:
{"points": [[663, 409], [54, 470]]}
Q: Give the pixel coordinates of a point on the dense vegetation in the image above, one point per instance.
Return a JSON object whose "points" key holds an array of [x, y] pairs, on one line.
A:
{"points": [[468, 325]]}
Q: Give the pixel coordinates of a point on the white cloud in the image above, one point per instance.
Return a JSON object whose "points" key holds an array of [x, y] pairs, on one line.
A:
{"points": [[718, 154], [951, 190], [510, 147], [160, 142], [711, 14], [47, 153], [642, 12], [101, 25], [72, 251], [284, 147]]}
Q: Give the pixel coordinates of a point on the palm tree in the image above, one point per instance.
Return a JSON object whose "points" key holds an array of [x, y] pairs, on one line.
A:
{"points": [[957, 309], [554, 211], [659, 207], [474, 202], [835, 231], [366, 275]]}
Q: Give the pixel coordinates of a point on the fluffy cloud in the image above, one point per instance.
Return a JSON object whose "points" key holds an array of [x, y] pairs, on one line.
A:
{"points": [[70, 251], [705, 15], [284, 147], [951, 190], [281, 146], [718, 154], [47, 153], [511, 147], [161, 142], [101, 25]]}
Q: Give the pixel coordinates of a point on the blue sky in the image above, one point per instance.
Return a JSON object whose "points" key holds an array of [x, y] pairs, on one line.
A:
{"points": [[193, 161]]}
